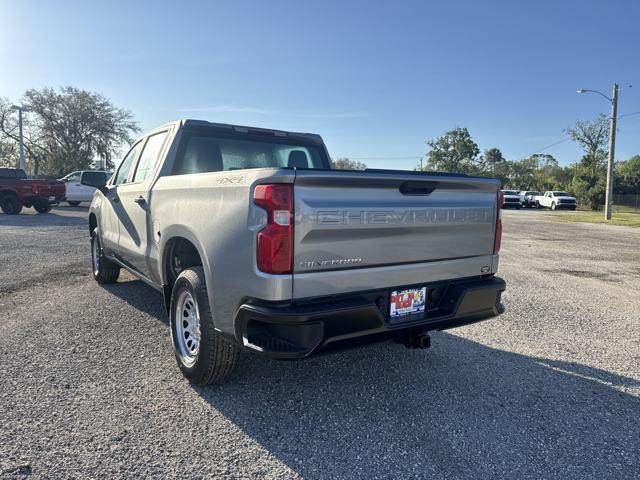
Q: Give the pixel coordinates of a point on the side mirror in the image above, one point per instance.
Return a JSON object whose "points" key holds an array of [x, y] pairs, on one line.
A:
{"points": [[94, 179]]}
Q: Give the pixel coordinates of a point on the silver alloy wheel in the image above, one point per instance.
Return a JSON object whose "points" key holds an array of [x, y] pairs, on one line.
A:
{"points": [[95, 254], [187, 328]]}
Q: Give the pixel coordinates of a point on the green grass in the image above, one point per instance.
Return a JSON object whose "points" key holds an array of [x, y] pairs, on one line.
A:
{"points": [[618, 218]]}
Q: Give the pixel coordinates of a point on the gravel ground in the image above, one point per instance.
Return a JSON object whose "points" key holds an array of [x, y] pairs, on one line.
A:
{"points": [[89, 387]]}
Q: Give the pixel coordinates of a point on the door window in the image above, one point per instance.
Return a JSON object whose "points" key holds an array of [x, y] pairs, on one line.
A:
{"points": [[123, 171], [149, 156], [74, 177]]}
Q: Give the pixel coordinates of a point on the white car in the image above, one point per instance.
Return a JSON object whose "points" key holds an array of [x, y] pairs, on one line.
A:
{"points": [[556, 200], [76, 192]]}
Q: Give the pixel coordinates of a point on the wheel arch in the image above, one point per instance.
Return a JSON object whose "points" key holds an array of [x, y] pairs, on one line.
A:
{"points": [[181, 242], [93, 223]]}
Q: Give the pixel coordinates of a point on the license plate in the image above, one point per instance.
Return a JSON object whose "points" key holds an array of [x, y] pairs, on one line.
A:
{"points": [[51, 199], [407, 302]]}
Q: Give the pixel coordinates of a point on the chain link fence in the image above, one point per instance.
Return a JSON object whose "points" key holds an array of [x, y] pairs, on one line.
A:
{"points": [[625, 203]]}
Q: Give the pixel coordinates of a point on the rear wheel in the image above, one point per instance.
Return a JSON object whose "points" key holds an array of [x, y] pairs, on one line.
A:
{"points": [[74, 204], [42, 207], [203, 355], [104, 270], [10, 204]]}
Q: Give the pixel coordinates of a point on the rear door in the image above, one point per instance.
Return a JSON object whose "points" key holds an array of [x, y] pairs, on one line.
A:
{"points": [[352, 224], [73, 186]]}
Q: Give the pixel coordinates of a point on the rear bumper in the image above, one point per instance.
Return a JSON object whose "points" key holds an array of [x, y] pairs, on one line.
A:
{"points": [[296, 330], [42, 200]]}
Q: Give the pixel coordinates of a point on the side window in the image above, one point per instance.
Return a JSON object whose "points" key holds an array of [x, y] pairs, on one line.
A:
{"points": [[149, 156], [74, 177], [123, 171]]}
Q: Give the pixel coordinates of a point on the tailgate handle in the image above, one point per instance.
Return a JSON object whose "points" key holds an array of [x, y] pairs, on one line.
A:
{"points": [[418, 188]]}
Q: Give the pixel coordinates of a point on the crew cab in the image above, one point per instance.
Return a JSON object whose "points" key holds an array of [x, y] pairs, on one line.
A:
{"points": [[511, 199], [17, 191], [76, 191], [556, 200], [528, 198], [257, 244]]}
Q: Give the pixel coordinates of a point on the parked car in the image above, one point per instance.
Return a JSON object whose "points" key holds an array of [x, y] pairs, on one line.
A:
{"points": [[76, 191], [528, 198], [556, 199], [257, 244], [511, 199], [17, 191]]}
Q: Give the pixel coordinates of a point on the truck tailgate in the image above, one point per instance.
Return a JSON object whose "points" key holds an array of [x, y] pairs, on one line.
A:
{"points": [[406, 227]]}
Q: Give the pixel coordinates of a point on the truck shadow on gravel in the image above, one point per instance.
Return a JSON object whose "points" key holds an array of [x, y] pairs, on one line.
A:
{"points": [[50, 219], [459, 410]]}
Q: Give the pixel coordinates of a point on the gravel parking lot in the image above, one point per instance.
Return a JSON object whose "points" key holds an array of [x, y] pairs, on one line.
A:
{"points": [[89, 387]]}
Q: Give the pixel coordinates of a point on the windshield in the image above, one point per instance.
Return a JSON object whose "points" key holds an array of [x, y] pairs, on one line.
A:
{"points": [[532, 193], [561, 194], [205, 150], [510, 192]]}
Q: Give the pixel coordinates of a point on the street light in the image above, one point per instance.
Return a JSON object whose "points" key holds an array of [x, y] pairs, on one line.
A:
{"points": [[20, 110], [612, 145]]}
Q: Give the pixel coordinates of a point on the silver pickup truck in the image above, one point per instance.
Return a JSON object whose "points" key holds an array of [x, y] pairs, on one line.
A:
{"points": [[257, 244]]}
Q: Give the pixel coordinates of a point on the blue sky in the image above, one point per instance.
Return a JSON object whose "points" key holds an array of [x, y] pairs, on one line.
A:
{"points": [[375, 79]]}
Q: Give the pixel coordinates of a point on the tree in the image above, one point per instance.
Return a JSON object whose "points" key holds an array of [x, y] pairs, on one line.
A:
{"points": [[33, 141], [592, 136], [454, 151], [628, 175], [346, 164], [8, 154], [494, 164], [68, 129], [589, 188]]}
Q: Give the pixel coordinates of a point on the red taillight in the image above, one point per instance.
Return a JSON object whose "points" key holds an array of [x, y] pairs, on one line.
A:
{"points": [[275, 241], [34, 188], [498, 240]]}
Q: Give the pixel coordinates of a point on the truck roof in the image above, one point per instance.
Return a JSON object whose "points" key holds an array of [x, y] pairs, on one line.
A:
{"points": [[189, 122]]}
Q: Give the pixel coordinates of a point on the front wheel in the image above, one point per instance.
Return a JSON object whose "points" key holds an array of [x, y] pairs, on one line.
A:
{"points": [[104, 270], [553, 206], [203, 355], [74, 204]]}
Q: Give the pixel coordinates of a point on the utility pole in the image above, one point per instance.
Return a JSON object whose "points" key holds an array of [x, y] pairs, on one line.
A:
{"points": [[20, 110], [612, 148]]}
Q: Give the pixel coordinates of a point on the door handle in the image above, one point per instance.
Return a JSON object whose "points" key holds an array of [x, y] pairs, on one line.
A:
{"points": [[140, 200]]}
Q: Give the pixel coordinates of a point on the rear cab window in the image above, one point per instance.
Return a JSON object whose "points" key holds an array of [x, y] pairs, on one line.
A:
{"points": [[209, 150]]}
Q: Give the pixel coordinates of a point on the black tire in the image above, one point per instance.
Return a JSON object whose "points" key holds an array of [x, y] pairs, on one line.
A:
{"points": [[104, 270], [573, 209], [74, 204], [42, 207], [216, 357], [10, 204]]}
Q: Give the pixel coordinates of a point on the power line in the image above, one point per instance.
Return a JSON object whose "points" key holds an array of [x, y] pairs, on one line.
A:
{"points": [[628, 115], [536, 151], [386, 158]]}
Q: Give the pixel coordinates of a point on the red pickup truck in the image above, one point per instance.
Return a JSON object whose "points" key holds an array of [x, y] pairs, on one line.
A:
{"points": [[17, 191]]}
